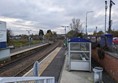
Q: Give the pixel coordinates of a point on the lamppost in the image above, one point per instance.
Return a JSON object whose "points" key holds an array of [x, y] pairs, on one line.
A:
{"points": [[110, 6], [86, 20], [65, 41], [105, 14], [96, 34], [29, 36], [65, 29]]}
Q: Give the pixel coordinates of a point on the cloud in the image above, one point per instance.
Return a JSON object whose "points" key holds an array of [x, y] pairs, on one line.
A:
{"points": [[51, 14]]}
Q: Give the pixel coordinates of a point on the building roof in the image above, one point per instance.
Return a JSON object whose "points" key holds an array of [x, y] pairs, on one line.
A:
{"points": [[78, 40]]}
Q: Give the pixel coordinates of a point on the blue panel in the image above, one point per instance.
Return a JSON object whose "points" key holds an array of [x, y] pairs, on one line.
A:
{"points": [[78, 40], [3, 44], [108, 38]]}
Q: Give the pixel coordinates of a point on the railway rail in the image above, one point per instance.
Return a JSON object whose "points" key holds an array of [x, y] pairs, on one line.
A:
{"points": [[21, 54], [20, 66], [19, 57]]}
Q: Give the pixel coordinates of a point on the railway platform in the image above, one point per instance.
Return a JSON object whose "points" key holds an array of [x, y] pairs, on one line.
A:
{"points": [[75, 76], [24, 49], [45, 62], [58, 69], [55, 65]]}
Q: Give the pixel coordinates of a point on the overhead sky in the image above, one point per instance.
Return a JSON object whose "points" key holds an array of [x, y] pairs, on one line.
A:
{"points": [[23, 15]]}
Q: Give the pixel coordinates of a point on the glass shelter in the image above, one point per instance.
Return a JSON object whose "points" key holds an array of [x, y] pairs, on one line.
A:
{"points": [[79, 54]]}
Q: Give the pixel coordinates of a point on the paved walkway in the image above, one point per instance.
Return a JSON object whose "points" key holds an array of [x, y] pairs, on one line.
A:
{"points": [[52, 66], [55, 68], [62, 75], [25, 47], [75, 76], [45, 62], [20, 50]]}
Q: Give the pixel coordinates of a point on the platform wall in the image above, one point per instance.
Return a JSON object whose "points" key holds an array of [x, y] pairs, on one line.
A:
{"points": [[4, 54], [109, 63]]}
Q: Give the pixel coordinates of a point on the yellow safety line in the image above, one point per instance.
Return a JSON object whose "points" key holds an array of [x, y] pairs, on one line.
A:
{"points": [[48, 60]]}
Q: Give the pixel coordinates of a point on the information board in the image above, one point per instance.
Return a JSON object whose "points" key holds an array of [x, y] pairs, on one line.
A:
{"points": [[3, 32]]}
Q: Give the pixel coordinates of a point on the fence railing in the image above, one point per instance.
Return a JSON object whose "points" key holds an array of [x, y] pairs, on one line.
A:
{"points": [[27, 80], [114, 48]]}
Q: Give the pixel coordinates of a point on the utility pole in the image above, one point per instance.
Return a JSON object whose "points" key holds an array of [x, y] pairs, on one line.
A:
{"points": [[29, 36], [105, 15], [65, 35], [96, 34], [86, 20], [65, 29], [110, 6]]}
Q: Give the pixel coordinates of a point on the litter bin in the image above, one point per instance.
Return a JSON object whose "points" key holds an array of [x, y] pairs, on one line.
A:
{"points": [[97, 74]]}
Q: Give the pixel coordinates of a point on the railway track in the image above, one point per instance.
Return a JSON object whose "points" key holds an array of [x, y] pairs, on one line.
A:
{"points": [[20, 66], [17, 58]]}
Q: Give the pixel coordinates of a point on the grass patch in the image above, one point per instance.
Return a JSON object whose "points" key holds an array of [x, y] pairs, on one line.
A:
{"points": [[20, 43]]}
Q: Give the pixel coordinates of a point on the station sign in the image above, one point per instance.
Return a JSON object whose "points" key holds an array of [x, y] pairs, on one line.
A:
{"points": [[3, 32]]}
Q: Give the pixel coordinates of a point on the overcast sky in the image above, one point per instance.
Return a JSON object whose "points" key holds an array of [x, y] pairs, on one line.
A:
{"points": [[22, 15]]}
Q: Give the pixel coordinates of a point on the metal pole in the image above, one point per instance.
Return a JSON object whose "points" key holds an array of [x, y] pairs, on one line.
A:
{"points": [[105, 14], [86, 24], [110, 6], [65, 35], [86, 20], [65, 29], [96, 34], [29, 36], [109, 30], [36, 70]]}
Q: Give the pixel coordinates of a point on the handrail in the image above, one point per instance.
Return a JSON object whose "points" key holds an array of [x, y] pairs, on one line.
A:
{"points": [[28, 79]]}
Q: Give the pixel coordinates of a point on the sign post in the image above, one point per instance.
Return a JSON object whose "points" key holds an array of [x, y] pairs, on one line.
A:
{"points": [[3, 35], [4, 51]]}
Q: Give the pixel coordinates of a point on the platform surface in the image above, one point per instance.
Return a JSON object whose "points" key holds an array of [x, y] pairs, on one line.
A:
{"points": [[55, 67], [45, 62], [75, 76], [24, 49]]}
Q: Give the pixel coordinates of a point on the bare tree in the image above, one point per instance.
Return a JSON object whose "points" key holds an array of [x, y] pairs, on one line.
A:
{"points": [[76, 29], [76, 25]]}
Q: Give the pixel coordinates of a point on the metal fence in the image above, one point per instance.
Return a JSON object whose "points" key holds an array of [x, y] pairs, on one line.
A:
{"points": [[27, 80], [114, 48]]}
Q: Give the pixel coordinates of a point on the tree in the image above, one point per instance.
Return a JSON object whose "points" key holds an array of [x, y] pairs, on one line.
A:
{"points": [[76, 25], [100, 33], [76, 28], [41, 34], [48, 35], [49, 31], [73, 33], [94, 33], [54, 36], [115, 33], [9, 36]]}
